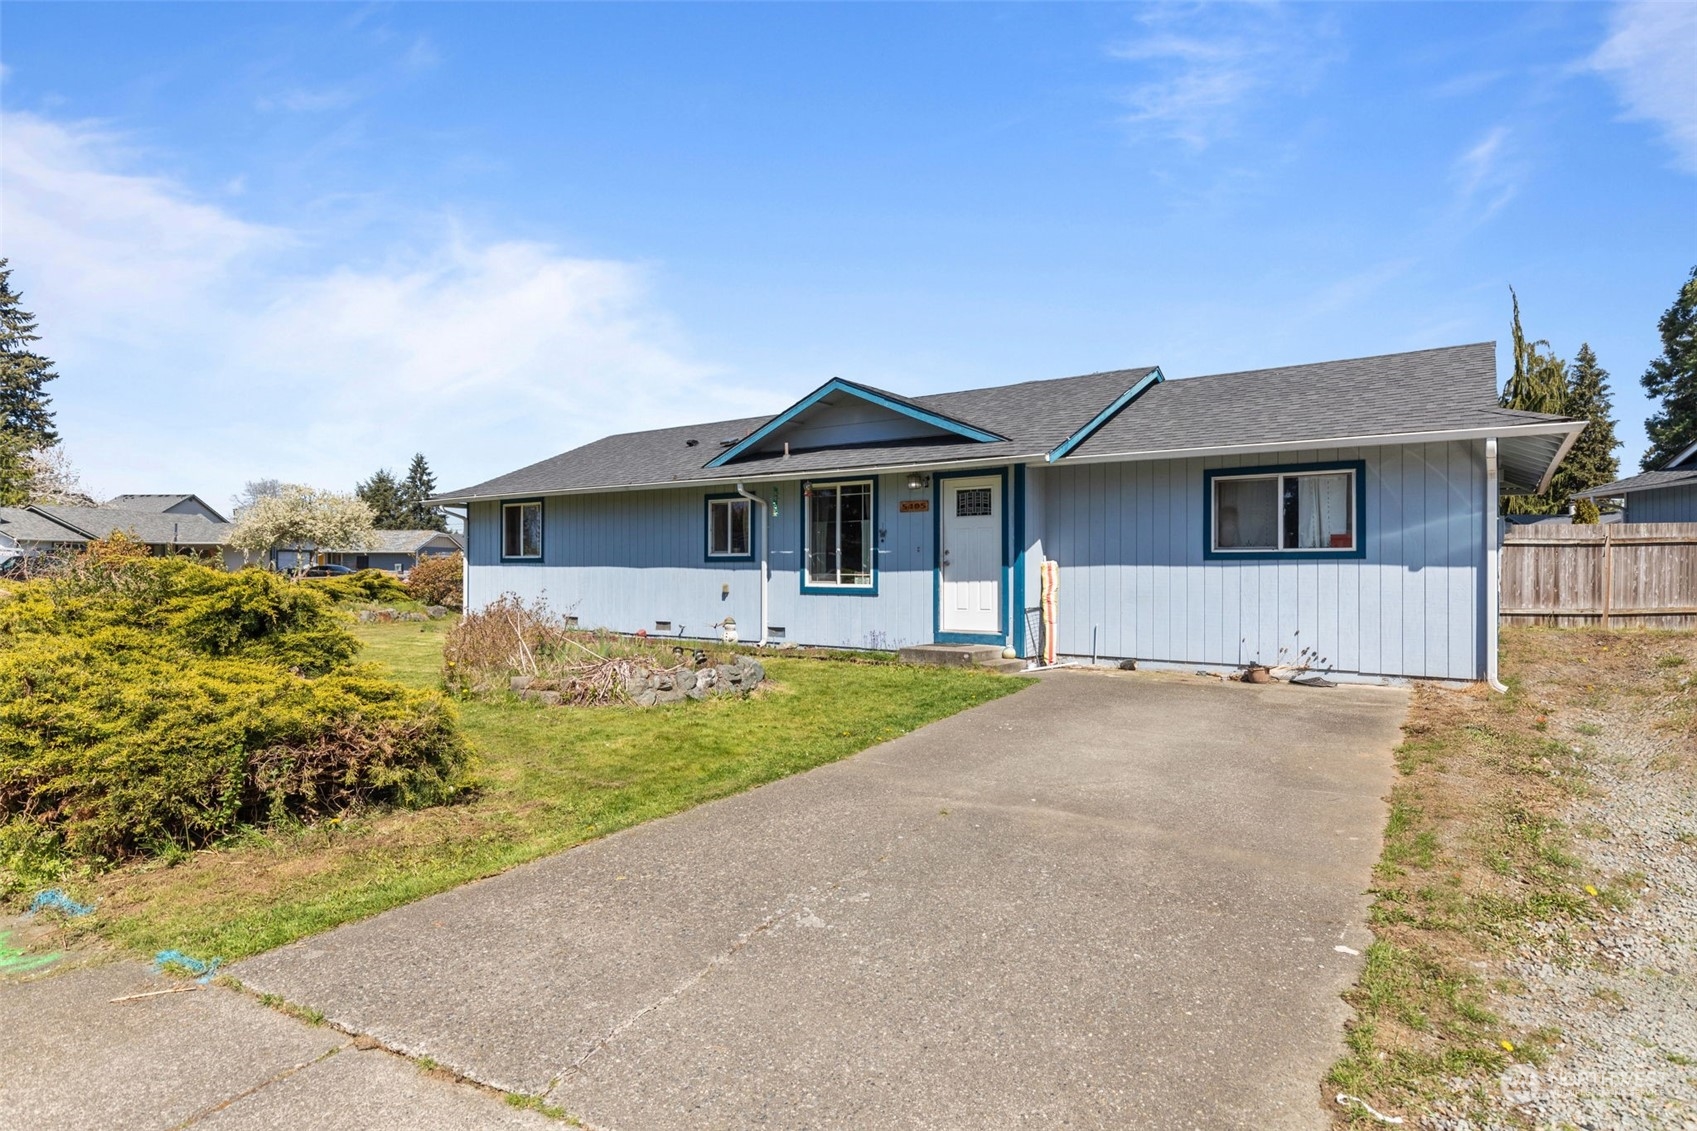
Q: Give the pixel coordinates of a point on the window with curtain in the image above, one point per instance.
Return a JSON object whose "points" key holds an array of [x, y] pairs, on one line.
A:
{"points": [[840, 539], [1274, 512]]}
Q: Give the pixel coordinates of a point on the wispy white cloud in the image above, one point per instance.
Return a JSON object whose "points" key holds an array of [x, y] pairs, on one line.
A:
{"points": [[301, 100], [1651, 57], [1207, 66], [1487, 174], [198, 349]]}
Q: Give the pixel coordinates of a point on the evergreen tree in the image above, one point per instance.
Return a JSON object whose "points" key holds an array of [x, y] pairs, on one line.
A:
{"points": [[382, 493], [1672, 378], [416, 488], [1539, 384], [23, 372], [1591, 462]]}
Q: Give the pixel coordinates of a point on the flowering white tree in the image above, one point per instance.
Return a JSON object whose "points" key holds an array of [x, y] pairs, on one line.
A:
{"points": [[305, 519]]}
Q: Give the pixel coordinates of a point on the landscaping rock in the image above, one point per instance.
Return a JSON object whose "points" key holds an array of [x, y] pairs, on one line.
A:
{"points": [[436, 612], [521, 682], [645, 698], [549, 698], [685, 680]]}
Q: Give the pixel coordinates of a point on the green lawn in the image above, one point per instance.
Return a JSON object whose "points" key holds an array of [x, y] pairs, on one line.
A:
{"points": [[551, 778]]}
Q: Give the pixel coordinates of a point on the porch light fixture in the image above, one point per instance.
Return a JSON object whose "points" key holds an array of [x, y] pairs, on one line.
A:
{"points": [[917, 480]]}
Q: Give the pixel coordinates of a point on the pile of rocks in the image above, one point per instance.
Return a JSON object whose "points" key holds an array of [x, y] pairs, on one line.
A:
{"points": [[645, 687], [389, 616]]}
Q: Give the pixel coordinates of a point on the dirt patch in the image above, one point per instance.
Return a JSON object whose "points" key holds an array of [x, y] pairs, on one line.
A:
{"points": [[1541, 852]]}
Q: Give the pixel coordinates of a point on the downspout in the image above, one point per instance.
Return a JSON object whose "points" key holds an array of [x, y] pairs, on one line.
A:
{"points": [[1493, 553], [763, 507]]}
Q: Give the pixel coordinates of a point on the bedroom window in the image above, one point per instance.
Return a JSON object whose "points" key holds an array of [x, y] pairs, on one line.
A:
{"points": [[1274, 511], [838, 534], [521, 531], [730, 526]]}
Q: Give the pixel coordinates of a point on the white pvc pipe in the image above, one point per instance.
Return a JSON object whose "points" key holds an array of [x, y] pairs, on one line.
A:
{"points": [[761, 505], [1493, 551]]}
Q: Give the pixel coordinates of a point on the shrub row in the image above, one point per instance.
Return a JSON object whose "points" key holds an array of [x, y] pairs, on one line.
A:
{"points": [[160, 703]]}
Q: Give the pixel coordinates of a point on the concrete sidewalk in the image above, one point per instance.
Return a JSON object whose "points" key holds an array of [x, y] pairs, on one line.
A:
{"points": [[210, 1058], [1107, 901]]}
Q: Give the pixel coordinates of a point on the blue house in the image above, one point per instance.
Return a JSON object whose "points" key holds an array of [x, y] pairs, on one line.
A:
{"points": [[1668, 494], [1348, 506]]}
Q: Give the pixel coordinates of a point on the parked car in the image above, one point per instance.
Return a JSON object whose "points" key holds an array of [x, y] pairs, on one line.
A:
{"points": [[331, 570]]}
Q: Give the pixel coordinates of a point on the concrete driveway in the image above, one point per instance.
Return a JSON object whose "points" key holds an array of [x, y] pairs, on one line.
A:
{"points": [[1106, 901]]}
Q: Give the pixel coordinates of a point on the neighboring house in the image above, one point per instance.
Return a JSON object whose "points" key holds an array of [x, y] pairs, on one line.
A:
{"points": [[1348, 506], [165, 532], [169, 524], [1668, 494], [396, 550]]}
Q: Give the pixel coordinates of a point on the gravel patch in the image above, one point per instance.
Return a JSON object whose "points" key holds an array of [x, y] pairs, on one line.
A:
{"points": [[1622, 993]]}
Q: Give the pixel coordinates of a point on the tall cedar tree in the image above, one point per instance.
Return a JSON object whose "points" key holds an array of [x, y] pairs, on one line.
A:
{"points": [[1672, 378], [382, 493], [23, 372], [1539, 384], [1592, 461], [418, 486]]}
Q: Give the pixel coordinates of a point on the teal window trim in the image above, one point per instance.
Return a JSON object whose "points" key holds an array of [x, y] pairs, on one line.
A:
{"points": [[1066, 446], [1358, 487], [838, 385], [812, 588], [541, 532], [707, 533]]}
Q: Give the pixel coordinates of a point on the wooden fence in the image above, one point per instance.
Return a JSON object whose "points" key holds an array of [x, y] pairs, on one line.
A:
{"points": [[1632, 574]]}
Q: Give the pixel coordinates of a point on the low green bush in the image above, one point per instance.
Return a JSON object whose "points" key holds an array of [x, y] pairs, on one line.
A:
{"points": [[371, 586], [158, 705]]}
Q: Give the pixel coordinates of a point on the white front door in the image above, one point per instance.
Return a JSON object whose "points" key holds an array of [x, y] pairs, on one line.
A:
{"points": [[969, 560]]}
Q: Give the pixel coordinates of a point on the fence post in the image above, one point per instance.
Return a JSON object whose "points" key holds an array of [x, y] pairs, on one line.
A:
{"points": [[1608, 574]]}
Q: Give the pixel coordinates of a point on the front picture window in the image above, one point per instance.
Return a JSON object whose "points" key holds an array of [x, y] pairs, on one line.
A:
{"points": [[839, 534], [1285, 511], [521, 530], [729, 522]]}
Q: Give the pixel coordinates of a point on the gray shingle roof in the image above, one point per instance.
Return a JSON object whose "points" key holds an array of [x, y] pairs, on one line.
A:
{"points": [[1434, 390], [1648, 481], [1035, 415], [402, 541], [152, 527], [22, 525], [158, 503], [1425, 391]]}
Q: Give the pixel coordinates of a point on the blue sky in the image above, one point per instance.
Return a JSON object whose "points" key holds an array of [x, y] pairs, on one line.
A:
{"points": [[305, 241]]}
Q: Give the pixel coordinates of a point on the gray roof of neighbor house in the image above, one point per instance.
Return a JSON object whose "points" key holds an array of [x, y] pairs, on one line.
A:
{"points": [[153, 527], [1649, 481], [156, 502], [1430, 393], [21, 524], [403, 541]]}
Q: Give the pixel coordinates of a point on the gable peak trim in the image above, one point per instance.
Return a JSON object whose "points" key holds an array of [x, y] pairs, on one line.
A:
{"points": [[866, 393]]}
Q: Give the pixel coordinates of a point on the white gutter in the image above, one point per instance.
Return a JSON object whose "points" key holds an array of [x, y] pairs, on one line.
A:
{"points": [[1381, 439], [1493, 554], [765, 558]]}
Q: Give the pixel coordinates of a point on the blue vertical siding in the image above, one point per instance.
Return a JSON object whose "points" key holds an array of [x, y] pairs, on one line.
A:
{"points": [[1668, 504], [1129, 538], [624, 561]]}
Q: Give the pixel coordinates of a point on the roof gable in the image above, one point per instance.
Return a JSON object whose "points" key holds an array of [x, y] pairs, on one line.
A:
{"points": [[842, 413], [165, 504]]}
